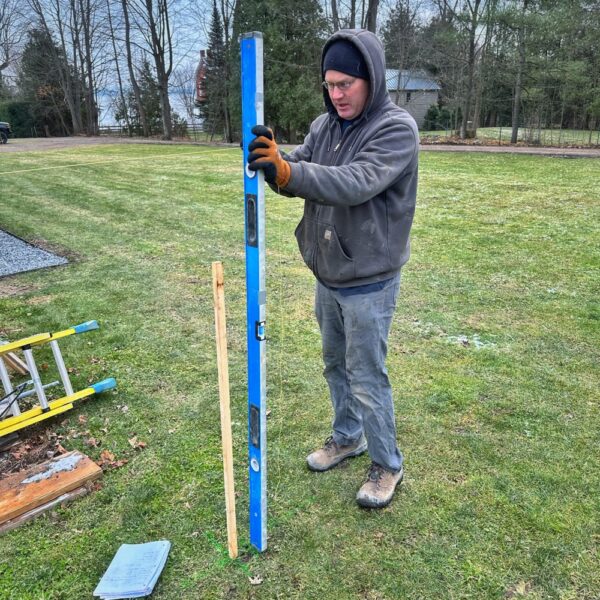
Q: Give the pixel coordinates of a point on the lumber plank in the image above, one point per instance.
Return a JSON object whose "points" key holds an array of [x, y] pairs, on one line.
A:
{"points": [[33, 487], [31, 514], [15, 363], [224, 400]]}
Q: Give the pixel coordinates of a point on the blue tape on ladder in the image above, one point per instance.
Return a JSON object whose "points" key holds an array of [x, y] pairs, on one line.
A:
{"points": [[252, 114], [87, 326], [105, 384]]}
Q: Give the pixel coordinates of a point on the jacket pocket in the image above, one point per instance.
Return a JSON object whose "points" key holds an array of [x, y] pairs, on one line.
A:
{"points": [[322, 251], [333, 265]]}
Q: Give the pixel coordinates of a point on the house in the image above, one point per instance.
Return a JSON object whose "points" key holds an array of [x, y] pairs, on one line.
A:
{"points": [[200, 96], [415, 91]]}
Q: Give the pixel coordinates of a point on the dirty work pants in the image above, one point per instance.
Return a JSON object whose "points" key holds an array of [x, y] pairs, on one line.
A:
{"points": [[354, 332]]}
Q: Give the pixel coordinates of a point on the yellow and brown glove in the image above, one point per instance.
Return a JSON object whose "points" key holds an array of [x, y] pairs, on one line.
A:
{"points": [[265, 155]]}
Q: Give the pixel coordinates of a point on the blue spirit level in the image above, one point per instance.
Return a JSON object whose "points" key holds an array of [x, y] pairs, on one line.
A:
{"points": [[254, 201]]}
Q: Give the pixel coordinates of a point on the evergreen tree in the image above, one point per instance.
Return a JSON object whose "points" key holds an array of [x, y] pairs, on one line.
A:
{"points": [[399, 35], [39, 84], [215, 109], [150, 99], [294, 34]]}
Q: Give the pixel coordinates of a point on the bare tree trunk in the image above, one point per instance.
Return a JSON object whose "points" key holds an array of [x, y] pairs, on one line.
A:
{"points": [[134, 84], [516, 108], [335, 17], [119, 78], [490, 22], [468, 101], [10, 33], [162, 51], [371, 17], [90, 96]]}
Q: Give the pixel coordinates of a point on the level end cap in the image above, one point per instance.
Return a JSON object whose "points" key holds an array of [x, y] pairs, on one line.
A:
{"points": [[251, 35]]}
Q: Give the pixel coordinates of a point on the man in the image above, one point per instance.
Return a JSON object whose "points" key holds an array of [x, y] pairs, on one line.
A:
{"points": [[357, 172]]}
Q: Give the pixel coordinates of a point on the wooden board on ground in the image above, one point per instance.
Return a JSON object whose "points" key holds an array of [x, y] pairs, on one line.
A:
{"points": [[31, 514], [26, 490], [15, 363]]}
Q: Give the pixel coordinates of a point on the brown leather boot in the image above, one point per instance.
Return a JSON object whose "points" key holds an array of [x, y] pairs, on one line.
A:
{"points": [[332, 454], [379, 488]]}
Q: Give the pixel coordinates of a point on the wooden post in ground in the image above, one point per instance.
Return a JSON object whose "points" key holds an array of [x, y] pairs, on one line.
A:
{"points": [[223, 369]]}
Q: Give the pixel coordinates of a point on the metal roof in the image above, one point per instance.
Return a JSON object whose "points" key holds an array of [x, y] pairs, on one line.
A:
{"points": [[410, 81]]}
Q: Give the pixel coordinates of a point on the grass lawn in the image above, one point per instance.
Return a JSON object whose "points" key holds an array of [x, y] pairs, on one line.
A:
{"points": [[493, 357]]}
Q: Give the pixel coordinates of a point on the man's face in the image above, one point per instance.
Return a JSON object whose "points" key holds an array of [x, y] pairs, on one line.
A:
{"points": [[349, 102]]}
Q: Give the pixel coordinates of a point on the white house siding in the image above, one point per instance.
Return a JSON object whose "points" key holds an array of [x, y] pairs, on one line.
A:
{"points": [[418, 105]]}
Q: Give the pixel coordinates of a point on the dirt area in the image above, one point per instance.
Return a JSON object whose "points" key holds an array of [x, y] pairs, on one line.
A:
{"points": [[30, 449], [40, 144]]}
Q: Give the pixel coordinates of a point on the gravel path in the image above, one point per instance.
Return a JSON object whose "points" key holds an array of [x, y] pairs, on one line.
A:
{"points": [[40, 144], [17, 256]]}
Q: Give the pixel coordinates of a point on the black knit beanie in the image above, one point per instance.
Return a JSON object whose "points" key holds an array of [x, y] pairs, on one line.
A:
{"points": [[345, 57]]}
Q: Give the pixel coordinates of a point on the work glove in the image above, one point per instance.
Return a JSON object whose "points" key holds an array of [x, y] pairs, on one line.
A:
{"points": [[265, 155]]}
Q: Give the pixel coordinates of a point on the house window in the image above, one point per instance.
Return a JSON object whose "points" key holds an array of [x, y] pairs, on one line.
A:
{"points": [[408, 95]]}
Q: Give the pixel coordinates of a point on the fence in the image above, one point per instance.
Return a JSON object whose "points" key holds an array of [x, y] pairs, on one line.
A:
{"points": [[485, 135], [188, 131], [557, 137]]}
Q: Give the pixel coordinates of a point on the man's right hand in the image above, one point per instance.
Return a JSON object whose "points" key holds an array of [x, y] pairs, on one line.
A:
{"points": [[264, 155]]}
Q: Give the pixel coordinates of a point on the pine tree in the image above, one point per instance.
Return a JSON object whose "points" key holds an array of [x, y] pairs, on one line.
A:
{"points": [[214, 109], [294, 34], [39, 84]]}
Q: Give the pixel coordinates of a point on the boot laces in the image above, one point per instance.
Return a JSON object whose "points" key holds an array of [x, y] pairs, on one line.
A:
{"points": [[375, 473], [330, 443]]}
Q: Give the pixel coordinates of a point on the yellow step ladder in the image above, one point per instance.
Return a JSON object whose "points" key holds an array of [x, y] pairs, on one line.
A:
{"points": [[11, 417]]}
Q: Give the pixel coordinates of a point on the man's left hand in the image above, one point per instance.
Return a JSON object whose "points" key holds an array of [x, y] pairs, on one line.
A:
{"points": [[265, 155]]}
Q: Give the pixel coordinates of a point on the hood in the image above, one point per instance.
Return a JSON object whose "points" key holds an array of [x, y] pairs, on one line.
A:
{"points": [[372, 50]]}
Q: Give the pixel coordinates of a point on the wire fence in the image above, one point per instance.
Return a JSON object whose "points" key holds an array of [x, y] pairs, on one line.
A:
{"points": [[189, 131], [499, 136], [527, 136]]}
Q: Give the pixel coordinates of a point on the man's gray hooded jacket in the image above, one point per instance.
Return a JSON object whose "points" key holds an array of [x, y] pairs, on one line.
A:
{"points": [[359, 186]]}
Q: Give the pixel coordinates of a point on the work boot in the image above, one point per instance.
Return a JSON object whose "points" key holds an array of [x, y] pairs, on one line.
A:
{"points": [[332, 454], [379, 488]]}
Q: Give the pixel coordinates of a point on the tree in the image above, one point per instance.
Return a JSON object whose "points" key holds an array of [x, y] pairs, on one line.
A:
{"points": [[293, 36], [353, 13], [149, 102], [113, 39], [11, 31], [40, 83], [143, 121], [70, 22], [153, 19], [400, 34], [215, 109]]}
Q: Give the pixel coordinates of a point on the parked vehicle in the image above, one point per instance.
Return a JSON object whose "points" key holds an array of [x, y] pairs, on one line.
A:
{"points": [[5, 131]]}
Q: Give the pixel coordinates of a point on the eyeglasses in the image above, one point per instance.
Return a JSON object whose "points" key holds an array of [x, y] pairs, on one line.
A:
{"points": [[343, 86]]}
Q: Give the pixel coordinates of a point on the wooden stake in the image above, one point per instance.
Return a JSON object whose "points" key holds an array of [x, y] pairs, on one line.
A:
{"points": [[223, 369]]}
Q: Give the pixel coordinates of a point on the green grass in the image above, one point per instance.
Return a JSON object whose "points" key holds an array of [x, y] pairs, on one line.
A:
{"points": [[533, 136], [493, 357]]}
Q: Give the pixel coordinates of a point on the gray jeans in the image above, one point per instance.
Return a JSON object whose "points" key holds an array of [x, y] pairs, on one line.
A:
{"points": [[354, 332]]}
